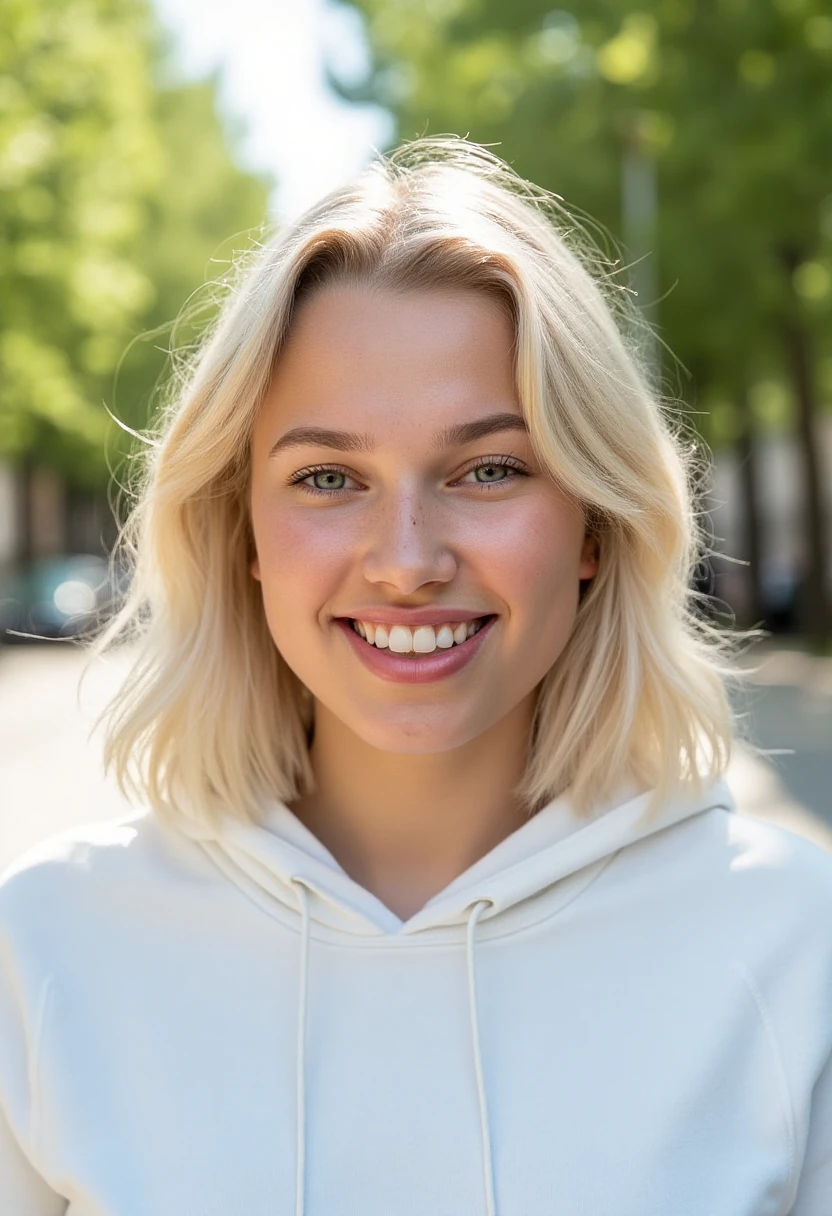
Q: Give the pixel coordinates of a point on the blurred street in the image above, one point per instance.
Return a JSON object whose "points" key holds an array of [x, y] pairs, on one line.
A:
{"points": [[50, 770], [50, 775]]}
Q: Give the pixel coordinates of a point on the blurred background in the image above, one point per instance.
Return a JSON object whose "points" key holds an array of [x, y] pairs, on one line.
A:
{"points": [[144, 144]]}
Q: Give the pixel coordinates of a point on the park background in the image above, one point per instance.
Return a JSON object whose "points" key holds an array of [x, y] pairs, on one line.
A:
{"points": [[145, 146]]}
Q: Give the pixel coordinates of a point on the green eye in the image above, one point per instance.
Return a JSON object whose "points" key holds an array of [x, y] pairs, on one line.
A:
{"points": [[497, 470], [324, 480], [327, 482], [500, 469]]}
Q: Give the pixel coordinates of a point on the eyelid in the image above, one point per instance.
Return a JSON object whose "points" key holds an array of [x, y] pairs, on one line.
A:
{"points": [[504, 461], [300, 475]]}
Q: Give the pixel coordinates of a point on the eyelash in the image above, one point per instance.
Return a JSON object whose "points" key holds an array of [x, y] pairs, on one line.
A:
{"points": [[507, 462]]}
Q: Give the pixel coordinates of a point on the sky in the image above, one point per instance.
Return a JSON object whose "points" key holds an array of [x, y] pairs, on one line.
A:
{"points": [[271, 56]]}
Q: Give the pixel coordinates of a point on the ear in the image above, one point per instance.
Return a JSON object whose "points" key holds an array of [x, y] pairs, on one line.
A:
{"points": [[255, 567], [589, 558]]}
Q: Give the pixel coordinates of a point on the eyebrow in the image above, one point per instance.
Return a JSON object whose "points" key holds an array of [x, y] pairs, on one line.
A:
{"points": [[351, 441]]}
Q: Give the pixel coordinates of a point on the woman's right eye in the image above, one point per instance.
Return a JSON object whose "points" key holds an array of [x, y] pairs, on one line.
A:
{"points": [[325, 479]]}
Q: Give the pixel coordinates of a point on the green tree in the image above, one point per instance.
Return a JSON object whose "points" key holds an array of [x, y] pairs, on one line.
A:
{"points": [[203, 215], [78, 156], [116, 190], [727, 104]]}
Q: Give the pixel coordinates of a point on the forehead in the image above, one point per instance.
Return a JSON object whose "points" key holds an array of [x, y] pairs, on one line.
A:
{"points": [[363, 354]]}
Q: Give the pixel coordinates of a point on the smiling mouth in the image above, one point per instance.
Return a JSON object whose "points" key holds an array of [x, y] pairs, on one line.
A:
{"points": [[422, 642]]}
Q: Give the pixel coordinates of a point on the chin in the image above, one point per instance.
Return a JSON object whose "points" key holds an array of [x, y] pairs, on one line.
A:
{"points": [[412, 737]]}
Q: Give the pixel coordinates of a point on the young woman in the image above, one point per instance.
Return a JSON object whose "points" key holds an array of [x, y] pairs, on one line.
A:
{"points": [[438, 902]]}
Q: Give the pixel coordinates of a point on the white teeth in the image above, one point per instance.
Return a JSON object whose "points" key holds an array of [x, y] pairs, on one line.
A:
{"points": [[424, 639], [445, 637], [401, 639]]}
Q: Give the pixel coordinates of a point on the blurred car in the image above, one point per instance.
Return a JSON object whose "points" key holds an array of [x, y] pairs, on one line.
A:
{"points": [[58, 597]]}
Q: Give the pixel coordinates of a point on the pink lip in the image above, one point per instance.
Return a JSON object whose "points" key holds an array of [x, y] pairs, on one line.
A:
{"points": [[431, 667]]}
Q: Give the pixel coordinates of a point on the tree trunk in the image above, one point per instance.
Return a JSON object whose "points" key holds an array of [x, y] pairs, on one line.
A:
{"points": [[748, 470], [816, 609], [23, 527]]}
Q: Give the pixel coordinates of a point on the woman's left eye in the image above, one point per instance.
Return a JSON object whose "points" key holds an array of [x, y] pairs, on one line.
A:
{"points": [[494, 467]]}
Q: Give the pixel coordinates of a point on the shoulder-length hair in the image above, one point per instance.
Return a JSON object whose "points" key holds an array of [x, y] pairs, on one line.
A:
{"points": [[212, 721]]}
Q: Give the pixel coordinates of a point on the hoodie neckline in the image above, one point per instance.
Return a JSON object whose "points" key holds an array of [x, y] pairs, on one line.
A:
{"points": [[552, 846]]}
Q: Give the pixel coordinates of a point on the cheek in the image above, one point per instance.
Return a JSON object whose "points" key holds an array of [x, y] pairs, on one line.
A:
{"points": [[531, 554], [301, 558]]}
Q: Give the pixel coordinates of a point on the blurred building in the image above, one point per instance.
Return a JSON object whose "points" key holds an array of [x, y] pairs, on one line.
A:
{"points": [[40, 516], [781, 521]]}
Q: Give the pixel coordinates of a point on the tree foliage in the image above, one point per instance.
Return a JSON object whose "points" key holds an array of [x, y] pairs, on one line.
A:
{"points": [[116, 188], [731, 99]]}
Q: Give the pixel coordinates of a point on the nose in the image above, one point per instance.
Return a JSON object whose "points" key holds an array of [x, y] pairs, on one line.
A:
{"points": [[408, 544]]}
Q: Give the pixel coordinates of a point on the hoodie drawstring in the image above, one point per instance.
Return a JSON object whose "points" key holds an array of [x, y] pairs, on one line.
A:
{"points": [[300, 1091], [487, 1163]]}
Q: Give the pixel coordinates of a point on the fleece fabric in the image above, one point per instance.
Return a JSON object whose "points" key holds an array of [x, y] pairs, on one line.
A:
{"points": [[603, 1018]]}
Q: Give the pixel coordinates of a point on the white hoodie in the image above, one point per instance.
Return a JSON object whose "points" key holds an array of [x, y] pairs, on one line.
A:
{"points": [[609, 1018]]}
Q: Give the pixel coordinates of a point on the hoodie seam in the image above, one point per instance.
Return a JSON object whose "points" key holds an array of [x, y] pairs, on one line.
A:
{"points": [[486, 937], [35, 1066], [787, 1104]]}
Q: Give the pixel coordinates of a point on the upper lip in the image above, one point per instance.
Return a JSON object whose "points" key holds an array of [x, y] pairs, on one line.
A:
{"points": [[415, 616]]}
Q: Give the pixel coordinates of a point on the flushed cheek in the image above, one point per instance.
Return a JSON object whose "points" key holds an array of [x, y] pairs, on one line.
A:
{"points": [[302, 563], [531, 557]]}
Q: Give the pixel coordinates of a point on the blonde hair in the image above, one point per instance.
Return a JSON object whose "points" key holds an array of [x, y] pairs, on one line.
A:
{"points": [[212, 721]]}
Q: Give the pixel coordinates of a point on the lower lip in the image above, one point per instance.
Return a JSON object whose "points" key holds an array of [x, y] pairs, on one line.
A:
{"points": [[424, 670]]}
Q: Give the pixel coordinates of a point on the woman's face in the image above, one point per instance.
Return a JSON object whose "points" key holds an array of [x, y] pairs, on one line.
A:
{"points": [[401, 509]]}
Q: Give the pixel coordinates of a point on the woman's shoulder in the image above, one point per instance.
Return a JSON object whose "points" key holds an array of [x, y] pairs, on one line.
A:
{"points": [[750, 879], [728, 844], [74, 855], [775, 855], [90, 870], [768, 884]]}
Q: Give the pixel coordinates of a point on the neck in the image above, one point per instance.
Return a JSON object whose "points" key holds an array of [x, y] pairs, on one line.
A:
{"points": [[405, 826]]}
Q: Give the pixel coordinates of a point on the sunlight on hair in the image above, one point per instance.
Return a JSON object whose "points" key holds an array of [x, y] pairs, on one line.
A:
{"points": [[212, 721]]}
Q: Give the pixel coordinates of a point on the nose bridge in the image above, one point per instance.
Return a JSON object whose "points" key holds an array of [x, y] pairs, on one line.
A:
{"points": [[409, 538]]}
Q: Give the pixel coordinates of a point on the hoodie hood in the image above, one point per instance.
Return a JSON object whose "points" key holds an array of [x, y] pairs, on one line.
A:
{"points": [[269, 862], [283, 863]]}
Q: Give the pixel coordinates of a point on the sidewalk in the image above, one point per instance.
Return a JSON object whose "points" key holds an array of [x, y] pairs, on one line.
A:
{"points": [[789, 708], [761, 793]]}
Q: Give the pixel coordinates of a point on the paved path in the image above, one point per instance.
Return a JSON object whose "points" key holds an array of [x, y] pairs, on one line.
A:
{"points": [[50, 771], [788, 708]]}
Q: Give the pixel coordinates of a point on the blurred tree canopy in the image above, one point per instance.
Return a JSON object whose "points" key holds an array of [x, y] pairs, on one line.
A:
{"points": [[117, 187], [721, 111]]}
